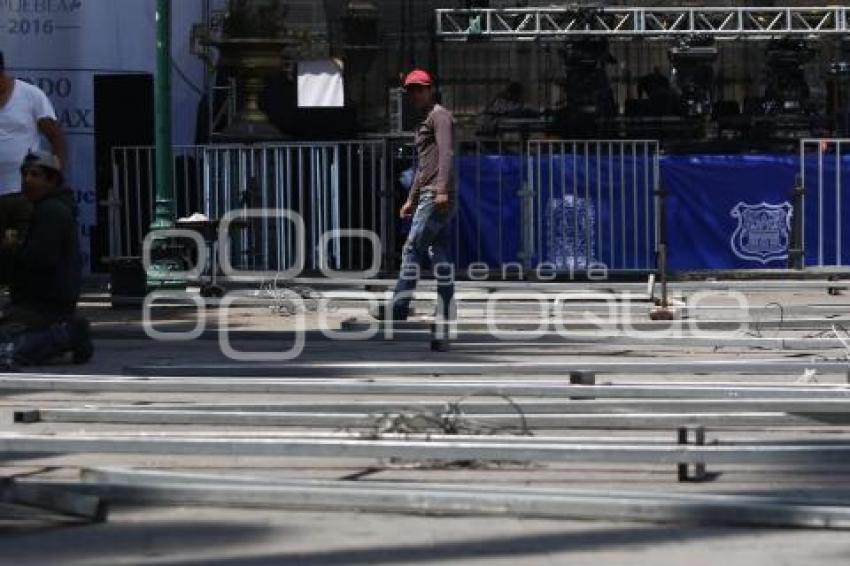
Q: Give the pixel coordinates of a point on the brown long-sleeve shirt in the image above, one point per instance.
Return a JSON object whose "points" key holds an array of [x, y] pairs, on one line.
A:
{"points": [[435, 154]]}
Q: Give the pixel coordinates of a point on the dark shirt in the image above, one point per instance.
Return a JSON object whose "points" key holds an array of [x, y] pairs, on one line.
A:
{"points": [[435, 154], [46, 275]]}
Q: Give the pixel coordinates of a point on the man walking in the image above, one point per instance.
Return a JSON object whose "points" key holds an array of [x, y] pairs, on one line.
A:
{"points": [[25, 115], [431, 202]]}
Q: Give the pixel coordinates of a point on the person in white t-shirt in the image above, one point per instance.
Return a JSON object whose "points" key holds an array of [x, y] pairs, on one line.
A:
{"points": [[26, 115]]}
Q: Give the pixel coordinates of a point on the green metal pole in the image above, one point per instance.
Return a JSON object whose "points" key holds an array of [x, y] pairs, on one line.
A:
{"points": [[164, 211], [164, 260]]}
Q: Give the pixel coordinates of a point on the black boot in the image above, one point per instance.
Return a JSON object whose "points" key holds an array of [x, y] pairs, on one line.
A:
{"points": [[82, 347], [442, 331], [384, 312]]}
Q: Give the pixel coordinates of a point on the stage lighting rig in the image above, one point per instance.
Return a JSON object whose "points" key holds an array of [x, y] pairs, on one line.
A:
{"points": [[693, 61], [838, 90], [588, 95], [786, 88]]}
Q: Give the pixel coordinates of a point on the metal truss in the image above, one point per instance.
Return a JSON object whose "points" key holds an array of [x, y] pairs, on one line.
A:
{"points": [[562, 22]]}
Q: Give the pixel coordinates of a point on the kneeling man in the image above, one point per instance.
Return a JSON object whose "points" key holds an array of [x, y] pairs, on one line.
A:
{"points": [[39, 324]]}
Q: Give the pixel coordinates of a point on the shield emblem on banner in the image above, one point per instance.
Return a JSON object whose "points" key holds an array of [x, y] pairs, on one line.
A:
{"points": [[763, 232]]}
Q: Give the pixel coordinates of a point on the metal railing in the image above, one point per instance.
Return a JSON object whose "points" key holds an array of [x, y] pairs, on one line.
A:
{"points": [[487, 229], [571, 205], [592, 203], [334, 186], [824, 172]]}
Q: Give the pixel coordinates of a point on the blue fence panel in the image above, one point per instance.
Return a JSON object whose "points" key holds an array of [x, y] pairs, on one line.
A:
{"points": [[723, 211], [600, 207], [489, 210]]}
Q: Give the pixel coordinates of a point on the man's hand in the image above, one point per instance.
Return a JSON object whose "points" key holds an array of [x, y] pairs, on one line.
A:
{"points": [[406, 210], [441, 201], [9, 242]]}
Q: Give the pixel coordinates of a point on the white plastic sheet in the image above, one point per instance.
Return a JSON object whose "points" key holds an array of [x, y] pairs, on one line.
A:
{"points": [[320, 84]]}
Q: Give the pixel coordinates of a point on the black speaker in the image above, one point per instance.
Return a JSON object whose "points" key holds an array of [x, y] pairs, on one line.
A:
{"points": [[124, 116]]}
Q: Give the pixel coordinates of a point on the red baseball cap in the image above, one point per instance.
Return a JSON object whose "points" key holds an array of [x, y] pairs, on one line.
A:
{"points": [[417, 77]]}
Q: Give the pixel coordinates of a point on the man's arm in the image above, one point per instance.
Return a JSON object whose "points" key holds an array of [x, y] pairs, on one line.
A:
{"points": [[444, 135], [54, 134]]}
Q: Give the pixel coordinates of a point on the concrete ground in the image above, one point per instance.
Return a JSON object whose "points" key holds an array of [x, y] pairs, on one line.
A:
{"points": [[225, 536]]}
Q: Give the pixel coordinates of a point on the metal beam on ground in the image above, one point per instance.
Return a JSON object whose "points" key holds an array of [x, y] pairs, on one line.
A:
{"points": [[481, 407], [614, 321], [508, 337], [661, 339], [635, 421], [53, 499], [157, 477], [454, 388], [500, 500], [424, 437], [749, 312], [490, 369], [814, 455]]}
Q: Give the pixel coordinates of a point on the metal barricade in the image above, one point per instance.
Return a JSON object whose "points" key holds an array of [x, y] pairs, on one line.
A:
{"points": [[336, 187], [592, 204], [134, 188], [401, 159], [486, 231], [571, 205], [824, 171]]}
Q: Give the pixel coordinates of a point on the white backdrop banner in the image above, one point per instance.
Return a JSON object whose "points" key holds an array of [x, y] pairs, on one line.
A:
{"points": [[60, 45]]}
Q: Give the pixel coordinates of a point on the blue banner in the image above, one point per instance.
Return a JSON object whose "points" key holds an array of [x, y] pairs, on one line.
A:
{"points": [[723, 211], [610, 199], [728, 211], [488, 226], [736, 211]]}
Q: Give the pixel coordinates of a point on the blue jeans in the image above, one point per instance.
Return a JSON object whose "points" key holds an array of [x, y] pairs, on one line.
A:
{"points": [[31, 338], [426, 248]]}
